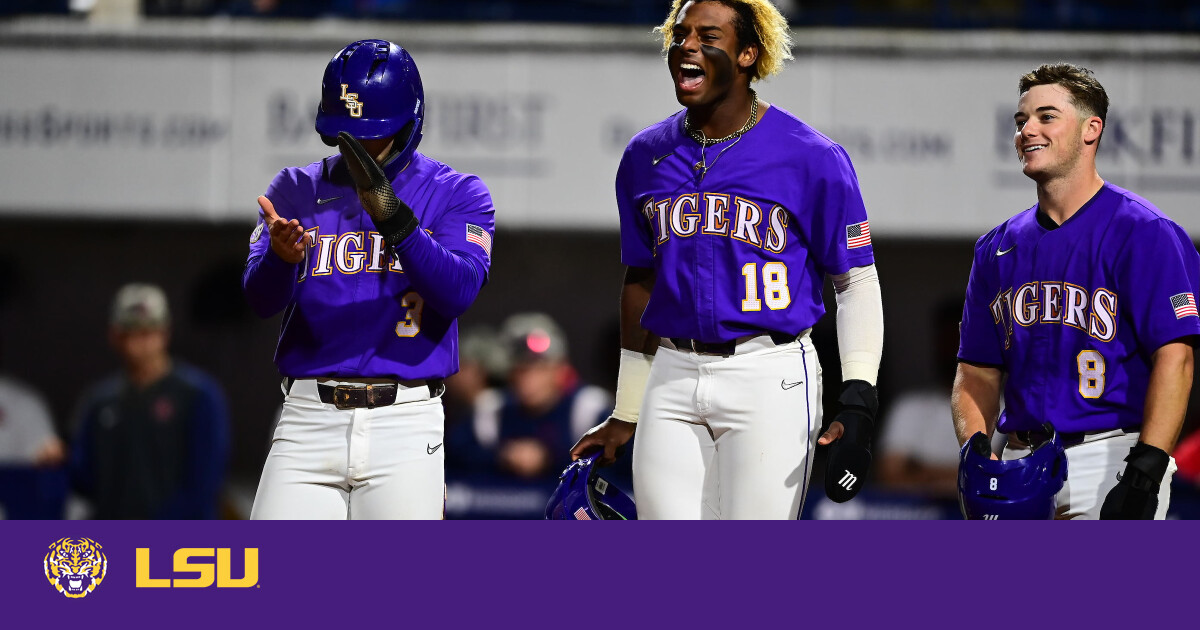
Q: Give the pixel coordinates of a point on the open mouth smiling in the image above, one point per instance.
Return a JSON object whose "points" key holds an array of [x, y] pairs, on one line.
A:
{"points": [[690, 76]]}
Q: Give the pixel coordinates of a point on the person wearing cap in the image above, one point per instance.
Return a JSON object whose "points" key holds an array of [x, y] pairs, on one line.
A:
{"points": [[152, 440], [545, 406], [475, 391]]}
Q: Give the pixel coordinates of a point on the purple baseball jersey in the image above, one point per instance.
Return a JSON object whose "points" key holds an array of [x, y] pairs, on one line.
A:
{"points": [[354, 308], [1073, 313], [745, 248]]}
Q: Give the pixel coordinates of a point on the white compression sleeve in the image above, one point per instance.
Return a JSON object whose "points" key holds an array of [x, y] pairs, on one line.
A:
{"points": [[631, 384], [859, 323]]}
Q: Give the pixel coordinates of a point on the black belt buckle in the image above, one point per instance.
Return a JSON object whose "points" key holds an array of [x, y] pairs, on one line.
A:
{"points": [[699, 347], [725, 348], [782, 338], [1034, 437]]}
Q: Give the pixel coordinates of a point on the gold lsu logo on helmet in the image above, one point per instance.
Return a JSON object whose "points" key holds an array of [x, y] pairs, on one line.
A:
{"points": [[75, 566], [352, 103]]}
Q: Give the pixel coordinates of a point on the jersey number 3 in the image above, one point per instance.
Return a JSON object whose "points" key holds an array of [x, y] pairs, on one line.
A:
{"points": [[1091, 373], [411, 324], [775, 287]]}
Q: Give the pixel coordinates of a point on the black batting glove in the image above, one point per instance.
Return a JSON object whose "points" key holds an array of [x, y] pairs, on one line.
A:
{"points": [[393, 218], [848, 458], [1136, 494]]}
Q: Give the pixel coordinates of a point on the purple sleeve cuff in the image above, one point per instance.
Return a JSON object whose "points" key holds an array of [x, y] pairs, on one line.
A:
{"points": [[268, 283], [448, 281]]}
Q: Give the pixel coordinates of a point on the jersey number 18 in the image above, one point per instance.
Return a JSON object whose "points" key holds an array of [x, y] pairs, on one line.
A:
{"points": [[775, 287]]}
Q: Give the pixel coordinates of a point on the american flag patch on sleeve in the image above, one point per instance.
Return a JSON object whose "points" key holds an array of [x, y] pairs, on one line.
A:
{"points": [[1184, 305], [858, 235], [480, 237], [581, 515]]}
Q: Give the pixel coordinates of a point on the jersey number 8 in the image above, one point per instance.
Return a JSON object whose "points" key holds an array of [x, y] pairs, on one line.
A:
{"points": [[1091, 373]]}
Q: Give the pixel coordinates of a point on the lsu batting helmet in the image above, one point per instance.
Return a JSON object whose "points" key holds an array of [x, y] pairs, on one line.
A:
{"points": [[372, 90], [583, 496], [1024, 488]]}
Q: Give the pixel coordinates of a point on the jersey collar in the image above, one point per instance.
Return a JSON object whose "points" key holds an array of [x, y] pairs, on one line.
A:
{"points": [[1048, 224]]}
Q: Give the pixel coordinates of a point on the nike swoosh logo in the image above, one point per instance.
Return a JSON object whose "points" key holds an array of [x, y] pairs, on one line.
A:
{"points": [[661, 158], [1001, 252], [321, 202], [787, 385], [432, 449]]}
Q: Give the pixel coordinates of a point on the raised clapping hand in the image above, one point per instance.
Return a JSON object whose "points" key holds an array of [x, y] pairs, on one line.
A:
{"points": [[287, 237]]}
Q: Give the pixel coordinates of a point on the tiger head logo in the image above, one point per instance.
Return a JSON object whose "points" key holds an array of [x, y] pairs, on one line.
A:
{"points": [[75, 566]]}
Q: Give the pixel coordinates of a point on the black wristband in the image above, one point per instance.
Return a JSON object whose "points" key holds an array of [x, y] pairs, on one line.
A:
{"points": [[397, 227], [1149, 460], [861, 395], [859, 403]]}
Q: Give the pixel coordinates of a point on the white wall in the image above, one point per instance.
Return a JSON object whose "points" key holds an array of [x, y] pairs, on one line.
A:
{"points": [[169, 121]]}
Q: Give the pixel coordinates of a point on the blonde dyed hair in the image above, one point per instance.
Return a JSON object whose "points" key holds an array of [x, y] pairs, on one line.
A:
{"points": [[768, 31]]}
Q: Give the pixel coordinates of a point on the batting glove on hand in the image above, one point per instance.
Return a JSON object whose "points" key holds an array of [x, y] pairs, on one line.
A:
{"points": [[393, 218], [848, 458], [1136, 494]]}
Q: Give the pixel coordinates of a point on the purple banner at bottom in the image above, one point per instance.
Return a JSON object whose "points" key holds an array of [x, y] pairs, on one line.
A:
{"points": [[545, 574]]}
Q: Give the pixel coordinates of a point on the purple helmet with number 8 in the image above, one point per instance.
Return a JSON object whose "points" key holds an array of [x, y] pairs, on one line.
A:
{"points": [[372, 90], [581, 495], [1023, 488]]}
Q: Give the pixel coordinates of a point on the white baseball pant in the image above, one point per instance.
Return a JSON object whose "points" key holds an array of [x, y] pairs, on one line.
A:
{"points": [[330, 463], [728, 437], [1092, 467]]}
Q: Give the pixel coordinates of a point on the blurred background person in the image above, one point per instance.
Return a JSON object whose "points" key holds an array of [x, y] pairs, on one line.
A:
{"points": [[476, 390], [545, 407], [152, 440], [918, 449], [27, 436], [32, 478]]}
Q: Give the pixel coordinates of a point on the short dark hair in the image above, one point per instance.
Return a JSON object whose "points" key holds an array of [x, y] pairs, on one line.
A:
{"points": [[1087, 95]]}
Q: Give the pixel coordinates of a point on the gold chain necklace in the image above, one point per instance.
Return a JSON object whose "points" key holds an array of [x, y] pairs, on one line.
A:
{"points": [[698, 135], [705, 142]]}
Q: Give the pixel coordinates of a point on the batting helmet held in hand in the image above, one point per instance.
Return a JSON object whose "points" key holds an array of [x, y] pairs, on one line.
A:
{"points": [[1024, 488], [583, 496], [372, 90]]}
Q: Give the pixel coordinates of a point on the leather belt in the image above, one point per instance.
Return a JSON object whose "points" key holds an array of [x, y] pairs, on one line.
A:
{"points": [[1068, 439], [725, 348], [357, 397], [370, 395]]}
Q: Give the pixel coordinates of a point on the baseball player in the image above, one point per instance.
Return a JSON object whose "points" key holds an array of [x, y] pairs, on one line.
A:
{"points": [[371, 254], [1086, 303], [733, 211]]}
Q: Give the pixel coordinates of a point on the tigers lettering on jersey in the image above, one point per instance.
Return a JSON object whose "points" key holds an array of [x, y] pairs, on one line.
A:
{"points": [[1061, 303], [348, 253], [741, 220]]}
